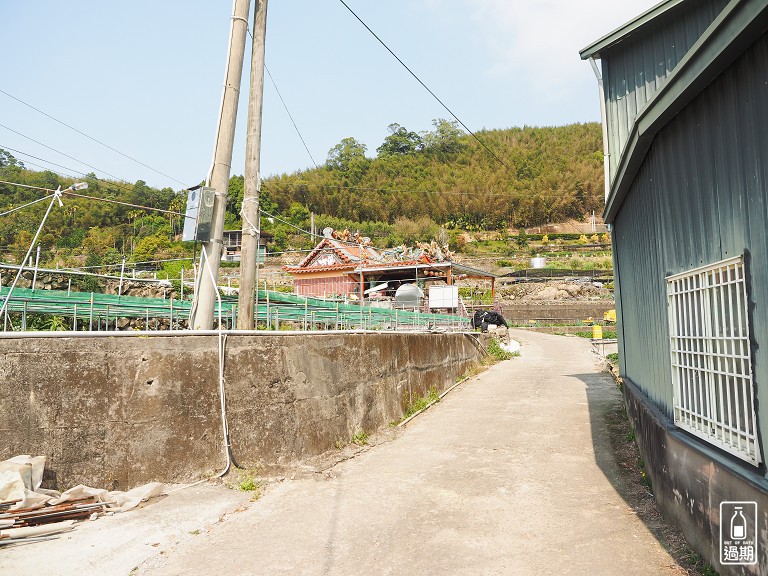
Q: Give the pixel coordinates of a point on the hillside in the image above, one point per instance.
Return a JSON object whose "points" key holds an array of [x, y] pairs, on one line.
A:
{"points": [[416, 187], [548, 174]]}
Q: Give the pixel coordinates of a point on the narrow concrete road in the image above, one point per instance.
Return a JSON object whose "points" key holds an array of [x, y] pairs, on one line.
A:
{"points": [[509, 474]]}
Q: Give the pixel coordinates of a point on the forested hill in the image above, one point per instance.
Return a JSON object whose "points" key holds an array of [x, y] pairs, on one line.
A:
{"points": [[548, 174], [404, 191]]}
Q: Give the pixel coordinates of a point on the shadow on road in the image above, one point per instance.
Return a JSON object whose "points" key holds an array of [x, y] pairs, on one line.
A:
{"points": [[617, 456]]}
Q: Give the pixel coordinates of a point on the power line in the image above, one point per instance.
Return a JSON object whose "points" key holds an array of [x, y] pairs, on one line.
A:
{"points": [[139, 206], [248, 28], [290, 115], [124, 186], [43, 160], [491, 152], [92, 138], [60, 152]]}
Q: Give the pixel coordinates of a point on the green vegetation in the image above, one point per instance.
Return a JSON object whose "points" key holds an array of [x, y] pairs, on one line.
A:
{"points": [[614, 357], [498, 353], [421, 402], [446, 176], [248, 481], [360, 438], [435, 184], [607, 334]]}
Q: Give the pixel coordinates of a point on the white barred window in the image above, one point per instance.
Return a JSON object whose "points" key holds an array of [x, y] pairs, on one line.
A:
{"points": [[711, 366]]}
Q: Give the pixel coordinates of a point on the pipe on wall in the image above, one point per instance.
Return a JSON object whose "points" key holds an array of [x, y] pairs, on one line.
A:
{"points": [[604, 122]]}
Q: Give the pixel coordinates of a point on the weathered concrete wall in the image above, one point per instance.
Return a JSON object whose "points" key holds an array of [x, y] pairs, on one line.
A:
{"points": [[690, 481], [119, 411]]}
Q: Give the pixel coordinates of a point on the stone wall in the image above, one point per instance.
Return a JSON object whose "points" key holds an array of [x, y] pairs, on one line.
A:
{"points": [[120, 411]]}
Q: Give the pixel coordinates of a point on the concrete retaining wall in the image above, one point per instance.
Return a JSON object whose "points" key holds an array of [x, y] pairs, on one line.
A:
{"points": [[690, 481], [115, 412], [556, 312]]}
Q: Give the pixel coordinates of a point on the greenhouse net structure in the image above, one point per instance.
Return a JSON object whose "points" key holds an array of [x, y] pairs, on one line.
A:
{"points": [[43, 310]]}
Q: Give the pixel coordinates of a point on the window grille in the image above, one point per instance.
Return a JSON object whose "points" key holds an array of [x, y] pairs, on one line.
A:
{"points": [[711, 367]]}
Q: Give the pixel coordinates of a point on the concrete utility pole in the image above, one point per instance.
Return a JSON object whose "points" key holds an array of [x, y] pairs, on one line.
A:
{"points": [[222, 163], [249, 259]]}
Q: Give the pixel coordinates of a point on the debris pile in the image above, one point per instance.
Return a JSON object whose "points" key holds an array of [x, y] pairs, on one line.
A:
{"points": [[568, 290], [29, 513]]}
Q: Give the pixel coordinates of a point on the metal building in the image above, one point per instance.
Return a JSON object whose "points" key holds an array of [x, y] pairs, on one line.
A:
{"points": [[684, 95]]}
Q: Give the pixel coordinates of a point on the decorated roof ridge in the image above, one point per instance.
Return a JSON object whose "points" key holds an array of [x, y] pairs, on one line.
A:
{"points": [[325, 268], [359, 251], [422, 260]]}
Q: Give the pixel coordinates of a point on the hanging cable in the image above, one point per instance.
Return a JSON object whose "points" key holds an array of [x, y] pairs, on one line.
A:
{"points": [[60, 152], [491, 152], [91, 137], [139, 206], [120, 186], [290, 115], [41, 160]]}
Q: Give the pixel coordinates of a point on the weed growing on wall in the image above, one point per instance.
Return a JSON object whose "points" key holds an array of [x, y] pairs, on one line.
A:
{"points": [[361, 438], [419, 403]]}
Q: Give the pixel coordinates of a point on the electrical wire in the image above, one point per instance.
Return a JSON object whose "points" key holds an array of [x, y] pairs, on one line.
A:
{"points": [[107, 200], [126, 187], [60, 152], [41, 160], [248, 29], [289, 113], [483, 144], [139, 206], [91, 137]]}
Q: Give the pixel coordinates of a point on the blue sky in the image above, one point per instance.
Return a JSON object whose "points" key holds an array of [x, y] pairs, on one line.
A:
{"points": [[145, 76]]}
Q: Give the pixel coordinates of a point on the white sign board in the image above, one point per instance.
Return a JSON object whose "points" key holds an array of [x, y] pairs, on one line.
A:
{"points": [[443, 297]]}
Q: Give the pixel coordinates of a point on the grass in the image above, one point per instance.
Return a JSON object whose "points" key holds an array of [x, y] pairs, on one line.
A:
{"points": [[606, 334], [498, 353], [360, 439], [419, 403], [248, 481], [612, 358]]}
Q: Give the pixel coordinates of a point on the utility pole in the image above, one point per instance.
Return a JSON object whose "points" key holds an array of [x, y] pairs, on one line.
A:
{"points": [[249, 259], [218, 179]]}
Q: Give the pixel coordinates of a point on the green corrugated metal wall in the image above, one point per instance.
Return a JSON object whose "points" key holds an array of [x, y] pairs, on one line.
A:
{"points": [[639, 65], [701, 196]]}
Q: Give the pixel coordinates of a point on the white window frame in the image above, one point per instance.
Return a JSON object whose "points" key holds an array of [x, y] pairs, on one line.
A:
{"points": [[711, 357]]}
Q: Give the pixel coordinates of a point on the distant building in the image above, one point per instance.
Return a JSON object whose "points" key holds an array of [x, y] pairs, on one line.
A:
{"points": [[345, 269], [233, 241], [684, 91]]}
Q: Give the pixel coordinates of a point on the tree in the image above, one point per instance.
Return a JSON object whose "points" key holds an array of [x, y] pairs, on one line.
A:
{"points": [[235, 193], [445, 140], [346, 154], [7, 159], [400, 141], [151, 248]]}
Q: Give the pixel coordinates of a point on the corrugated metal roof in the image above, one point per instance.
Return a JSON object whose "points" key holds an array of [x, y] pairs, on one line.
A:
{"points": [[622, 32], [738, 25]]}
